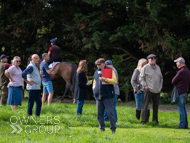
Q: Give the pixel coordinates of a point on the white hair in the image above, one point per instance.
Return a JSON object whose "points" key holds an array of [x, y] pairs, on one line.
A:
{"points": [[15, 58]]}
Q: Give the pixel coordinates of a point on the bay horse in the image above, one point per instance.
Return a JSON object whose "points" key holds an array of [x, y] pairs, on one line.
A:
{"points": [[67, 71]]}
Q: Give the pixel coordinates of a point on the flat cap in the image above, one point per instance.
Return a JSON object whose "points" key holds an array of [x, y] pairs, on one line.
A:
{"points": [[3, 56], [151, 56], [99, 61]]}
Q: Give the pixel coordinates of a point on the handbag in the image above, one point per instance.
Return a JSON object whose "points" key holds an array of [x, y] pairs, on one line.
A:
{"points": [[174, 97]]}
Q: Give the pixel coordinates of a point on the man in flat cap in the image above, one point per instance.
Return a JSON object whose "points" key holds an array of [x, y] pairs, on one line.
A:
{"points": [[181, 82], [104, 94], [3, 79], [152, 80]]}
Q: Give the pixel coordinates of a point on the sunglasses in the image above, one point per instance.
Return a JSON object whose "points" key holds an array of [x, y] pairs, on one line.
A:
{"points": [[18, 61], [153, 58]]}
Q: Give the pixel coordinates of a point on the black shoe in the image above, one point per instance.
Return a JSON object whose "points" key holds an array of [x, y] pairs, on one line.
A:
{"points": [[102, 130], [156, 122], [142, 122], [181, 127]]}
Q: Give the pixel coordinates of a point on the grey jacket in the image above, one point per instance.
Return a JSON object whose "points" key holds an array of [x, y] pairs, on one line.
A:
{"points": [[34, 76], [135, 80], [116, 86], [152, 78]]}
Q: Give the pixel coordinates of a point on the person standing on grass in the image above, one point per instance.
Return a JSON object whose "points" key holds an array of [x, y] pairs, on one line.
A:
{"points": [[181, 82], [104, 95], [81, 84], [46, 79], [3, 79], [32, 77], [116, 89], [138, 89], [16, 84], [151, 80]]}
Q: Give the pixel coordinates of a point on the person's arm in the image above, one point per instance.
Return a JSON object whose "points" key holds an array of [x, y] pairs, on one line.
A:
{"points": [[50, 50], [161, 85], [134, 78], [112, 80], [9, 76], [25, 72], [94, 84], [176, 78], [142, 78], [49, 71]]}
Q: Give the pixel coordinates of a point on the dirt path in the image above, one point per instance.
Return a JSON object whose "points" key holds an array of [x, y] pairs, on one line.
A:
{"points": [[164, 108]]}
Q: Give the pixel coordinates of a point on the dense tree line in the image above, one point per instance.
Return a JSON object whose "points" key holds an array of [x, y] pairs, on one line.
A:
{"points": [[121, 30]]}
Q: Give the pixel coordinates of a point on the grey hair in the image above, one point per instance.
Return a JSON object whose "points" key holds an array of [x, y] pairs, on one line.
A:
{"points": [[44, 55], [14, 59]]}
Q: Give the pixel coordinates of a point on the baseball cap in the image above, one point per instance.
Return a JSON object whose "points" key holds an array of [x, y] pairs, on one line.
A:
{"points": [[108, 62], [180, 59]]}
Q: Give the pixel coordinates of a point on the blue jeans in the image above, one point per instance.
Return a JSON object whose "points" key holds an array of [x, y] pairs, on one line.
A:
{"points": [[115, 112], [80, 104], [139, 100], [182, 111], [34, 95]]}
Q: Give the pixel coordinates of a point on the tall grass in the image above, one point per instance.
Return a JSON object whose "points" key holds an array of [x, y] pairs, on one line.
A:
{"points": [[59, 123]]}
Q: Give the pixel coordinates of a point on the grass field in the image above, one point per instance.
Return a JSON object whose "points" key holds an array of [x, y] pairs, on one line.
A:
{"points": [[58, 123]]}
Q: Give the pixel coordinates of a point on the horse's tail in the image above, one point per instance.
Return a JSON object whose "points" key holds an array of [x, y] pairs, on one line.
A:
{"points": [[74, 67]]}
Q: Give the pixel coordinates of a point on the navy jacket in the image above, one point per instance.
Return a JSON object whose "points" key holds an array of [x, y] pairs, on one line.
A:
{"points": [[106, 90], [80, 92]]}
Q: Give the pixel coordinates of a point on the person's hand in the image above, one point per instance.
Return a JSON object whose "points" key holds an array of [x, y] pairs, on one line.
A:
{"points": [[87, 84], [11, 80], [53, 72], [53, 64], [146, 87], [102, 79], [138, 91], [30, 83]]}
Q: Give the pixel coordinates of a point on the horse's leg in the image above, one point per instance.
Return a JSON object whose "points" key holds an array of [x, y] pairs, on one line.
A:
{"points": [[72, 92], [65, 92]]}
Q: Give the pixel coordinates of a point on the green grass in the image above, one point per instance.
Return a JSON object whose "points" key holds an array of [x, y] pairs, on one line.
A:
{"points": [[58, 123]]}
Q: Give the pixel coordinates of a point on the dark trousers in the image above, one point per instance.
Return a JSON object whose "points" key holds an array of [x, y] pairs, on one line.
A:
{"points": [[155, 100], [107, 104], [34, 95], [4, 94]]}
